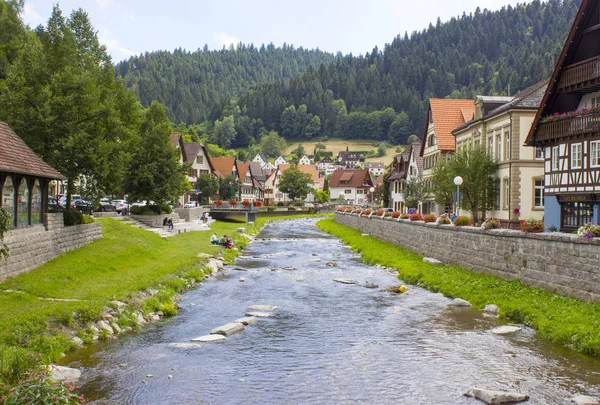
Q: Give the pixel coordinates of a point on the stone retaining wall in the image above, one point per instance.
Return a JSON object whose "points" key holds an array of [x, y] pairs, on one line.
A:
{"points": [[557, 262], [35, 245]]}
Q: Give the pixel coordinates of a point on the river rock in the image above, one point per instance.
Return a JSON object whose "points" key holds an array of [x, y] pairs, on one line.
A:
{"points": [[459, 302], [116, 327], [139, 318], [259, 314], [243, 279], [291, 268], [585, 400], [317, 260], [249, 320], [262, 308], [505, 330], [370, 284], [331, 264], [184, 345], [65, 374], [77, 341], [344, 280], [209, 338], [433, 261], [491, 309], [228, 329], [103, 326], [204, 255], [496, 397], [241, 230]]}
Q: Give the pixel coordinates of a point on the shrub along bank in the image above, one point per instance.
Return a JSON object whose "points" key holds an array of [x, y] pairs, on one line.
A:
{"points": [[563, 320], [41, 311]]}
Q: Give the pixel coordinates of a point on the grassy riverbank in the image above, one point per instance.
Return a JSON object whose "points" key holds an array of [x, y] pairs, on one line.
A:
{"points": [[40, 310], [563, 320]]}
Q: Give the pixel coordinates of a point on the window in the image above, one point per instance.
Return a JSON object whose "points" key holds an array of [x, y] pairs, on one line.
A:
{"points": [[506, 196], [200, 159], [555, 158], [491, 146], [360, 191], [507, 151], [497, 202], [576, 156], [539, 152], [347, 191], [594, 153], [538, 196], [499, 148], [595, 102]]}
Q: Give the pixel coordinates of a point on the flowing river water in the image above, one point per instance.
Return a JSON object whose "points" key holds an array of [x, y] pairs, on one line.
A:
{"points": [[327, 343]]}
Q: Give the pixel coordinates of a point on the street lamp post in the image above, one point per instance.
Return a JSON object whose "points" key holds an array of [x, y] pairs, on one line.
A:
{"points": [[372, 190], [458, 181]]}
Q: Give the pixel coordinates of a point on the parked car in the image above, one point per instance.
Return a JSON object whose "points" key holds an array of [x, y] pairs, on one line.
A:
{"points": [[82, 206], [121, 206], [190, 204], [53, 204], [105, 206]]}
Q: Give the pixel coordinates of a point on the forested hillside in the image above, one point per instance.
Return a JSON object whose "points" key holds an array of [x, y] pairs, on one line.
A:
{"points": [[381, 95], [193, 84]]}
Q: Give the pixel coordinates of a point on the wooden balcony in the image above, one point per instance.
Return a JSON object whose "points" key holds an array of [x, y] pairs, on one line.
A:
{"points": [[580, 76], [579, 125]]}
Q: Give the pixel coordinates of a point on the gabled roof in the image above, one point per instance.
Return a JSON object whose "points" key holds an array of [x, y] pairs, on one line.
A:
{"points": [[257, 172], [447, 114], [17, 157], [191, 149], [243, 170], [415, 149], [175, 139], [310, 169], [581, 26], [356, 178], [223, 166]]}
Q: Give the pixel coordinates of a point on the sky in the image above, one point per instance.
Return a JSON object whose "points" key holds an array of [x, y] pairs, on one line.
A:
{"points": [[131, 27]]}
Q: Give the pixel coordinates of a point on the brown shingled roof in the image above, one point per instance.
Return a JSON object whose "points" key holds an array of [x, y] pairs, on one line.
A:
{"points": [[242, 170], [359, 176], [223, 166], [447, 114], [175, 139], [190, 151], [17, 157]]}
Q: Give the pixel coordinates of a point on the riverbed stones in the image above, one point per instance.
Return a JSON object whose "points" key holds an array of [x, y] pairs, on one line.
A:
{"points": [[116, 327], [344, 280], [433, 261], [243, 279], [331, 264], [184, 345], [77, 341], [505, 330], [241, 230], [65, 374], [496, 397], [209, 338], [103, 326], [370, 284], [290, 268], [491, 309], [585, 400], [459, 302], [249, 320], [258, 314], [262, 308], [228, 329]]}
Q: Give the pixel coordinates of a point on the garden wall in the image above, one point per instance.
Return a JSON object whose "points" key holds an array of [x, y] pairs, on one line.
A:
{"points": [[557, 262], [35, 245]]}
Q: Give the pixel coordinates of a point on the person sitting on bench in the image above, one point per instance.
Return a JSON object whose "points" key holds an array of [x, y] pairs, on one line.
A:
{"points": [[170, 224]]}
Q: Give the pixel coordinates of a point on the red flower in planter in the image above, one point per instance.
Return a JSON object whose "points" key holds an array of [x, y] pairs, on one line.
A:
{"points": [[233, 202], [246, 203], [218, 203], [415, 217], [395, 214], [257, 204]]}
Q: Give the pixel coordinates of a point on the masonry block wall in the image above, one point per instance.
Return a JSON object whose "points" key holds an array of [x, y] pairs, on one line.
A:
{"points": [[557, 262], [33, 246]]}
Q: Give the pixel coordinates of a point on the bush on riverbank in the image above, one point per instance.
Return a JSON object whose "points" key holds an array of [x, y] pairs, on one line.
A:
{"points": [[563, 320]]}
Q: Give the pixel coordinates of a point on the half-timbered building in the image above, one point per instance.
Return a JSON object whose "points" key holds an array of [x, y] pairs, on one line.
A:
{"points": [[567, 127]]}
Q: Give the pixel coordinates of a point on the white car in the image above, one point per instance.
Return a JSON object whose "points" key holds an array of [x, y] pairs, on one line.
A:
{"points": [[121, 206], [190, 204]]}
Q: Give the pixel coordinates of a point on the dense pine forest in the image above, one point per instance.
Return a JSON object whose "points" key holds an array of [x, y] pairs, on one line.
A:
{"points": [[380, 95]]}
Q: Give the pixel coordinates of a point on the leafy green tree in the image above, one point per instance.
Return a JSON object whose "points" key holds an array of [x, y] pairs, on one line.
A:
{"points": [[207, 185], [12, 33], [272, 145], [411, 139], [295, 183], [288, 118], [321, 196], [442, 182], [313, 128], [298, 152], [399, 129], [229, 187], [382, 149], [326, 184], [155, 172], [225, 132], [414, 191]]}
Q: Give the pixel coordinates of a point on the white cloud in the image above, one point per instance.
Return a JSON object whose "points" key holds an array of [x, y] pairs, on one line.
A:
{"points": [[31, 17], [104, 3], [113, 46], [222, 39]]}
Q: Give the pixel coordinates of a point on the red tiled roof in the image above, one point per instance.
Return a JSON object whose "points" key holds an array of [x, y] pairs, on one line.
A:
{"points": [[448, 114], [357, 178], [175, 139], [242, 170], [223, 166], [17, 157]]}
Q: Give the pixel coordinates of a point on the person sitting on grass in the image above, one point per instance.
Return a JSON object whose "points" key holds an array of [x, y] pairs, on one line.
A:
{"points": [[214, 240], [227, 242]]}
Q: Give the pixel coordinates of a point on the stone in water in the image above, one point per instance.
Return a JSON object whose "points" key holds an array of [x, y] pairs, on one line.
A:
{"points": [[258, 314], [459, 302], [228, 329], [249, 320], [209, 338], [262, 308], [344, 280], [496, 397], [585, 400], [505, 330], [184, 345]]}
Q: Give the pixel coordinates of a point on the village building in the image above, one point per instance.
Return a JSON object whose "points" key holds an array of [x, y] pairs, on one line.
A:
{"points": [[304, 160], [24, 180], [196, 155], [375, 168], [404, 166], [260, 159], [350, 185], [280, 196], [258, 180], [443, 115], [324, 163], [223, 167], [501, 125], [247, 190], [567, 127], [349, 160], [268, 167], [280, 161]]}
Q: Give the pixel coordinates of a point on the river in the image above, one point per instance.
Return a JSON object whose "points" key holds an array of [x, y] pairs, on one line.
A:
{"points": [[327, 343]]}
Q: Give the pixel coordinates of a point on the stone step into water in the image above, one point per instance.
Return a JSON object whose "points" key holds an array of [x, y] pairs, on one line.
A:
{"points": [[262, 308], [184, 345], [228, 329], [496, 397], [258, 314], [209, 338], [344, 280], [505, 330], [249, 320]]}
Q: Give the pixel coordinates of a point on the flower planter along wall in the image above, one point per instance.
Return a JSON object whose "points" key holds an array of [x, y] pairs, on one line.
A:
{"points": [[33, 246], [557, 262]]}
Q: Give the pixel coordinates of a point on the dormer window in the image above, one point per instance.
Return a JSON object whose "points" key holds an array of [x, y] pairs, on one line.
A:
{"points": [[200, 159]]}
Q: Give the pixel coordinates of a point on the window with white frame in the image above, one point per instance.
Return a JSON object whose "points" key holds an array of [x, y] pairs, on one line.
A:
{"points": [[491, 146], [347, 191], [506, 192], [555, 158], [539, 152], [499, 147], [576, 156], [594, 153], [538, 193], [200, 159], [507, 144], [360, 191]]}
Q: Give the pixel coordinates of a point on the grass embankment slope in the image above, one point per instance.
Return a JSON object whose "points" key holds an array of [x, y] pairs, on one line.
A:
{"points": [[338, 145], [118, 266], [563, 320]]}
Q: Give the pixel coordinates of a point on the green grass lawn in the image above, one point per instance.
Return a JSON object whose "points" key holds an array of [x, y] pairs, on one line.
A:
{"points": [[116, 267], [563, 320]]}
